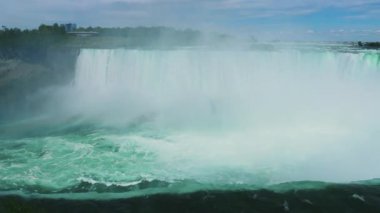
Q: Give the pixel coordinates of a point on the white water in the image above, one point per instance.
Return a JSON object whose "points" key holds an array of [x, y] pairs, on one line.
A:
{"points": [[289, 114]]}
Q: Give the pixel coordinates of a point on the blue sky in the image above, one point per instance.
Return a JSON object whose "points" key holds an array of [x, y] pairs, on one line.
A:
{"points": [[265, 19]]}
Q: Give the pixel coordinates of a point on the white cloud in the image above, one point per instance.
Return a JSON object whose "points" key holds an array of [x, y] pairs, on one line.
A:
{"points": [[289, 4]]}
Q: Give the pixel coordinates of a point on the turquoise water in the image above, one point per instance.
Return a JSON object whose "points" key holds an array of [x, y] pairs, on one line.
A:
{"points": [[137, 122]]}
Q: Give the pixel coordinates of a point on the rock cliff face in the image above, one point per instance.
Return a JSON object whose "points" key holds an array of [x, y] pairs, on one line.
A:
{"points": [[20, 81]]}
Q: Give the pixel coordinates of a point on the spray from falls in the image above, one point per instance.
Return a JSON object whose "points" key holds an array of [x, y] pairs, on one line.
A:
{"points": [[298, 115]]}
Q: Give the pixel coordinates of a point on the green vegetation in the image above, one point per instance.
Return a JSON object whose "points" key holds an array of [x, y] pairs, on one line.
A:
{"points": [[369, 45], [31, 45], [35, 45], [372, 45], [139, 37]]}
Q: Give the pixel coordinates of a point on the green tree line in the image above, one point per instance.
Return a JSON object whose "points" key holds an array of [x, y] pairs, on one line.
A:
{"points": [[33, 45]]}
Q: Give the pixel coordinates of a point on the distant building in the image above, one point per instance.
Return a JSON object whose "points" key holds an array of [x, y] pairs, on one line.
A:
{"points": [[84, 33], [70, 27]]}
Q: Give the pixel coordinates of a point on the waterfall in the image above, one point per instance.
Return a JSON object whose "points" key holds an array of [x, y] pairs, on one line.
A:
{"points": [[212, 72], [236, 85], [295, 114]]}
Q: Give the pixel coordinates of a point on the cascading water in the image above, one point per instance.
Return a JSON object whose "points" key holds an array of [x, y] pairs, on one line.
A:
{"points": [[181, 120]]}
